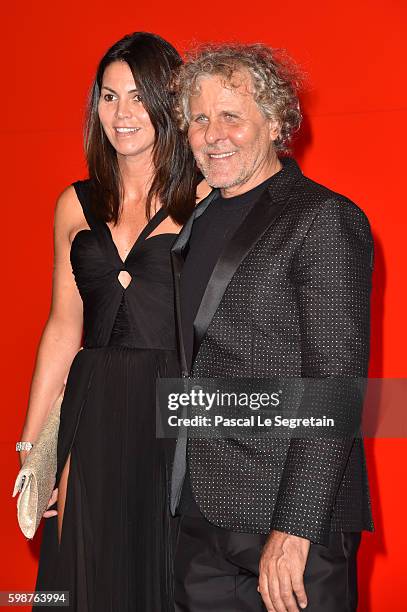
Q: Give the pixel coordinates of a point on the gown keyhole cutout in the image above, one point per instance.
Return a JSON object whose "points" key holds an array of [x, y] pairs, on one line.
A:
{"points": [[124, 278]]}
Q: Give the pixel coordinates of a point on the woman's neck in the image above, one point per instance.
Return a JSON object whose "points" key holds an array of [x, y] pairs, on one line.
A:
{"points": [[137, 174]]}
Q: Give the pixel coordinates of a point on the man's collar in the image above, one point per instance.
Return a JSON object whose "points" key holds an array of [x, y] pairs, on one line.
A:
{"points": [[281, 182]]}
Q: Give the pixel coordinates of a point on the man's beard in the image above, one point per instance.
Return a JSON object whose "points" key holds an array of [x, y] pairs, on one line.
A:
{"points": [[240, 179]]}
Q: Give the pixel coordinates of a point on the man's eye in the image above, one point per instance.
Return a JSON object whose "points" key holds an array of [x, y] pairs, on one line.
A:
{"points": [[108, 97], [201, 119]]}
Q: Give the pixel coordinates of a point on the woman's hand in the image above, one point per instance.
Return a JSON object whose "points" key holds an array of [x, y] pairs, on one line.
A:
{"points": [[52, 500]]}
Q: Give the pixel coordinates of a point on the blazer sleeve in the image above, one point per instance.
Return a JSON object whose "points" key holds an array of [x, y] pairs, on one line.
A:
{"points": [[332, 279]]}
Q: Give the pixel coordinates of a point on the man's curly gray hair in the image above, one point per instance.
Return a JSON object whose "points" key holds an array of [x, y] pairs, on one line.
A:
{"points": [[275, 79]]}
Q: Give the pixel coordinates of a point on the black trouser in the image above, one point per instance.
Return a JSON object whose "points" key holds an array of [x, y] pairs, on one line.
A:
{"points": [[216, 570]]}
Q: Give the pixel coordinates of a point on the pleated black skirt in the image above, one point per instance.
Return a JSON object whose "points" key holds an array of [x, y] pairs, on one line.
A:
{"points": [[115, 552]]}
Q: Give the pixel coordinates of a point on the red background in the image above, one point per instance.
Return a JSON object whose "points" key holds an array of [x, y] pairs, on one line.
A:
{"points": [[352, 141]]}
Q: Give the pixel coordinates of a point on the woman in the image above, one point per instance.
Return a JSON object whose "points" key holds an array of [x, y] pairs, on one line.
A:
{"points": [[108, 542]]}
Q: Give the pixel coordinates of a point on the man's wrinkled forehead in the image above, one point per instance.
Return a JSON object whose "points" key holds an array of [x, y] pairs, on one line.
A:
{"points": [[219, 93]]}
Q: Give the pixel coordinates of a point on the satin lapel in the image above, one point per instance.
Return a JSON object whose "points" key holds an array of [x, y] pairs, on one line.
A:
{"points": [[178, 262], [258, 220], [185, 233]]}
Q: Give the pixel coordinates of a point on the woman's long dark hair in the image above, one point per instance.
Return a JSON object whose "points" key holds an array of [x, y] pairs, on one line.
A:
{"points": [[152, 61]]}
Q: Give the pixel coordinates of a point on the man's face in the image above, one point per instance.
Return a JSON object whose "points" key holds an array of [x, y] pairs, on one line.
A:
{"points": [[231, 139]]}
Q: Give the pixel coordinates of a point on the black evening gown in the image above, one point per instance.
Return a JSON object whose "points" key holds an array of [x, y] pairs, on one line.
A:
{"points": [[115, 550]]}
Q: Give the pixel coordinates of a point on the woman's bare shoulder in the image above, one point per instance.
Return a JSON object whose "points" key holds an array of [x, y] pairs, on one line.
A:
{"points": [[67, 202], [203, 189], [68, 210]]}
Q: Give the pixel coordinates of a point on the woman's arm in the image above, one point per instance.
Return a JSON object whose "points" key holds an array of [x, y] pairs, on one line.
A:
{"points": [[62, 334]]}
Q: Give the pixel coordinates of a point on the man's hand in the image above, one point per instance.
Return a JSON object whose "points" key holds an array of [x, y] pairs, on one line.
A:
{"points": [[282, 565]]}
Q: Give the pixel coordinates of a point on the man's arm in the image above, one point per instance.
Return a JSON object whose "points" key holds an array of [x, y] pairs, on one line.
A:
{"points": [[333, 283], [332, 276]]}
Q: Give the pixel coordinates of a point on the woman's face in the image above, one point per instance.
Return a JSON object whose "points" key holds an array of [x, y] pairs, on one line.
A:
{"points": [[121, 112]]}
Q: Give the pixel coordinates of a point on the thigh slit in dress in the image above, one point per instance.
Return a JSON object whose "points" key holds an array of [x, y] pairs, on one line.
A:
{"points": [[115, 550]]}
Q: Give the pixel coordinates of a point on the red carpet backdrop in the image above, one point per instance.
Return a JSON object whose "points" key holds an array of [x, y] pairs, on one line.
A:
{"points": [[353, 141]]}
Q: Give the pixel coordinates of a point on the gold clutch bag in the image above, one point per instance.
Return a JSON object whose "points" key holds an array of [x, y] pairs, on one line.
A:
{"points": [[36, 479]]}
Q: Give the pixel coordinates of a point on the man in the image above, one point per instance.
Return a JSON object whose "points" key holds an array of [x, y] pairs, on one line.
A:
{"points": [[273, 278]]}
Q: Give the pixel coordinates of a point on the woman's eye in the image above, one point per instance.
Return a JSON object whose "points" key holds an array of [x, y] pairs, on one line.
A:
{"points": [[138, 98], [108, 97], [200, 119]]}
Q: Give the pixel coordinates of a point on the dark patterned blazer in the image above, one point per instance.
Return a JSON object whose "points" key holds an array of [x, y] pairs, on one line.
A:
{"points": [[289, 296]]}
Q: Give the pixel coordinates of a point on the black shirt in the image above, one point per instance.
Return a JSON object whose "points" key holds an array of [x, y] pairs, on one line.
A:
{"points": [[210, 232]]}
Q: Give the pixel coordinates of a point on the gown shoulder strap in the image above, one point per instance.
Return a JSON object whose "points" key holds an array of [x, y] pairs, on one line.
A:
{"points": [[154, 222], [82, 190]]}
